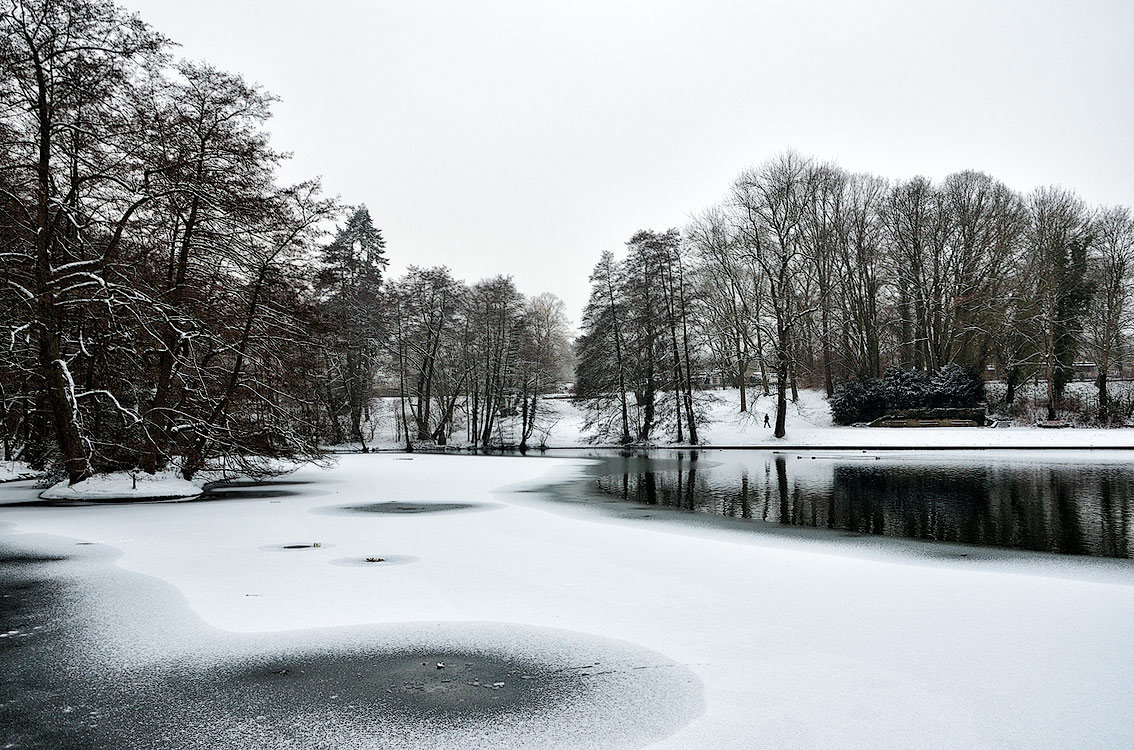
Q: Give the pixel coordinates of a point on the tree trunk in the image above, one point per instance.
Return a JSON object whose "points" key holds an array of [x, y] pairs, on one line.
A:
{"points": [[1051, 356], [1010, 378], [58, 388], [828, 376], [618, 361], [1104, 397], [690, 416], [524, 420], [742, 376], [356, 389], [649, 404], [782, 374], [763, 364]]}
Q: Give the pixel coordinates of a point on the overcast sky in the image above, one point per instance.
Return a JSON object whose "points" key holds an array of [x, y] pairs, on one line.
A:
{"points": [[525, 137]]}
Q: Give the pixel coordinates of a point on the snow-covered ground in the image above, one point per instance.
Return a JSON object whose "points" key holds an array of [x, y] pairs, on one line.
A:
{"points": [[795, 642], [562, 425], [11, 471], [124, 486]]}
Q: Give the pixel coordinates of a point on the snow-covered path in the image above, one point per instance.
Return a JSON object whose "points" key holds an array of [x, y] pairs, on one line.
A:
{"points": [[795, 644]]}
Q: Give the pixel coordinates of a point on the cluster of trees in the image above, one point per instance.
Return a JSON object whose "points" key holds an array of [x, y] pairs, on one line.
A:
{"points": [[637, 339], [348, 323], [469, 360], [152, 270], [166, 303], [809, 275]]}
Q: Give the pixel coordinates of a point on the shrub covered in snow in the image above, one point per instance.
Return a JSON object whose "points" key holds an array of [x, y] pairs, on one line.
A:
{"points": [[956, 387], [953, 387], [905, 389], [859, 401]]}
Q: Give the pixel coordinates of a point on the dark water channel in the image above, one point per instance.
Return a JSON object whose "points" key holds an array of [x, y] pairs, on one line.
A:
{"points": [[1069, 505]]}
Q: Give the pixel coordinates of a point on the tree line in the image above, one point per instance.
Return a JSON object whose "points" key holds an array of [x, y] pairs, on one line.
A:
{"points": [[452, 361], [471, 361], [809, 275], [167, 303]]}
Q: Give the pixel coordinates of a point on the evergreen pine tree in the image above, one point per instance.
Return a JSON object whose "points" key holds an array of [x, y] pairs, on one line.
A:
{"points": [[349, 283]]}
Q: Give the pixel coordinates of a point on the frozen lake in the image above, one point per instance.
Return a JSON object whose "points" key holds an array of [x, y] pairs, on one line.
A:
{"points": [[1079, 504], [315, 612]]}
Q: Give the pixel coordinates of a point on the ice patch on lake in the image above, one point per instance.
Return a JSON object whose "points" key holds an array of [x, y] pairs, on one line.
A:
{"points": [[152, 670], [405, 509]]}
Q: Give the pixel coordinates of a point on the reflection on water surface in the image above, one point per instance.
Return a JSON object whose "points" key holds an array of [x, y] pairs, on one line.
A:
{"points": [[1034, 503]]}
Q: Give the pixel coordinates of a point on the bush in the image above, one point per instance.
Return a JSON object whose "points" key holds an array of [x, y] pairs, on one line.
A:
{"points": [[956, 387], [951, 387], [858, 401], [905, 389]]}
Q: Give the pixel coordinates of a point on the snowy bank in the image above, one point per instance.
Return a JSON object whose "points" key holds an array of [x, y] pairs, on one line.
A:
{"points": [[123, 486], [11, 471], [809, 425], [562, 424]]}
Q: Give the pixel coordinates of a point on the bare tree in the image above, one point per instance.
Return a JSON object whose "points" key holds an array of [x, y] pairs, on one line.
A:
{"points": [[861, 277], [1058, 238], [770, 203], [65, 67], [730, 287], [1111, 316], [822, 228], [543, 354]]}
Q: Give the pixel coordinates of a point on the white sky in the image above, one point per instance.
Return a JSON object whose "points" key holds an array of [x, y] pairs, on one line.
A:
{"points": [[525, 137]]}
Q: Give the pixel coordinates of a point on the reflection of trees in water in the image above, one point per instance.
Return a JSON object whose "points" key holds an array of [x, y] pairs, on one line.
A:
{"points": [[908, 502], [1114, 516], [1059, 508]]}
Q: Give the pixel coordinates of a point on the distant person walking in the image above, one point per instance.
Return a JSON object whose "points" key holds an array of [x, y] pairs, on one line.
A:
{"points": [[766, 422]]}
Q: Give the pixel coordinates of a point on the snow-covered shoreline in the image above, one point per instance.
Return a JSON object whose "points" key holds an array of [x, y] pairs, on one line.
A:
{"points": [[123, 486], [14, 471], [809, 425]]}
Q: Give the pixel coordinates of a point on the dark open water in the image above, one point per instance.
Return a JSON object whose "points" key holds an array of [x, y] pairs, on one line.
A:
{"points": [[1067, 503]]}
